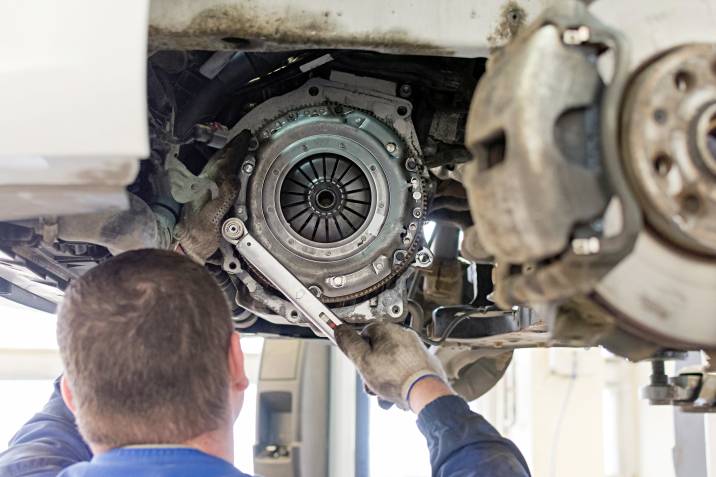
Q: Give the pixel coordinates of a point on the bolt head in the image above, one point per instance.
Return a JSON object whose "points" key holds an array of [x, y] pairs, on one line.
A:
{"points": [[233, 229], [248, 168], [391, 147]]}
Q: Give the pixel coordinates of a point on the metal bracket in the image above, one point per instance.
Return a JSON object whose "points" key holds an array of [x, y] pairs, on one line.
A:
{"points": [[247, 169], [693, 390]]}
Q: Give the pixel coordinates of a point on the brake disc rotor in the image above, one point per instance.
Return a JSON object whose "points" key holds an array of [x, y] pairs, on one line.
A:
{"points": [[670, 145], [664, 289]]}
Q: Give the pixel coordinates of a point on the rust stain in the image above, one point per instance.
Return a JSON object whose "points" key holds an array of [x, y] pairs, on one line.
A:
{"points": [[210, 29], [512, 18]]}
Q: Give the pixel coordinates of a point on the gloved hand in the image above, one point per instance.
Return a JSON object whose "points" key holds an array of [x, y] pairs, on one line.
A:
{"points": [[389, 358]]}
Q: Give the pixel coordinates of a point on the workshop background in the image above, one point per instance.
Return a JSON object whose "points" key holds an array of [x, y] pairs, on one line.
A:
{"points": [[571, 412]]}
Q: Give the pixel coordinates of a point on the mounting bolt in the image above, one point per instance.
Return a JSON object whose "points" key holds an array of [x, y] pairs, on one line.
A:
{"points": [[576, 36], [248, 168], [586, 246], [232, 229], [391, 147], [253, 144], [417, 212], [338, 281], [424, 258], [405, 90], [399, 256], [411, 165]]}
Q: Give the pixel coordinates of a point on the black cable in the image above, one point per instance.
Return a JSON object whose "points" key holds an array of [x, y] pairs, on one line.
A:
{"points": [[446, 334]]}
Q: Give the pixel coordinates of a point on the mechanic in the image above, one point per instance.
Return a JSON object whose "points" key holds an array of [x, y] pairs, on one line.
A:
{"points": [[154, 375]]}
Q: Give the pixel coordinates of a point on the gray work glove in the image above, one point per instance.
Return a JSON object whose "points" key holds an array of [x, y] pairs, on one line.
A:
{"points": [[389, 358]]}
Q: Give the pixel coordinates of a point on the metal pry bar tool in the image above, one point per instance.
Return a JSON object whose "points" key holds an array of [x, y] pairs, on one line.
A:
{"points": [[234, 231]]}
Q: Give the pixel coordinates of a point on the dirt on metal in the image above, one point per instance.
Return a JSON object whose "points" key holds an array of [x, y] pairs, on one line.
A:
{"points": [[234, 26], [512, 18]]}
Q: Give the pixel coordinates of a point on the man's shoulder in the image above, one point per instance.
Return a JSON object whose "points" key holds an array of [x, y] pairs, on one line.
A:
{"points": [[154, 462]]}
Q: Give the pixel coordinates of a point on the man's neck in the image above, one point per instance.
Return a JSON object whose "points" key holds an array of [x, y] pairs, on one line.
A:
{"points": [[219, 443]]}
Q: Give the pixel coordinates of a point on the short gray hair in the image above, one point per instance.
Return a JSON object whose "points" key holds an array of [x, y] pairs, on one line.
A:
{"points": [[144, 338]]}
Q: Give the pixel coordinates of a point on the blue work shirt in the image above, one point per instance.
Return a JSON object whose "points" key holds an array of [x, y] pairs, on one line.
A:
{"points": [[461, 442]]}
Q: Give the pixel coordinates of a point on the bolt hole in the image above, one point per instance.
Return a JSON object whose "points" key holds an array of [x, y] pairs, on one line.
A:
{"points": [[691, 203], [294, 314], [396, 309], [683, 80], [313, 91], [402, 110], [662, 164], [660, 116], [232, 265]]}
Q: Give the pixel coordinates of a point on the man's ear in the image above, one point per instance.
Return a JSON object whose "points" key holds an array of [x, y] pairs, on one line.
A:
{"points": [[67, 394], [239, 380]]}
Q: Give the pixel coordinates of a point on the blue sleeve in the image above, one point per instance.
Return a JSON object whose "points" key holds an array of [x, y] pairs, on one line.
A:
{"points": [[463, 444], [46, 444]]}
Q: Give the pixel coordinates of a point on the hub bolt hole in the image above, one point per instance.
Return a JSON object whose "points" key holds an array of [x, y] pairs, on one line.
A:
{"points": [[660, 116], [691, 203], [662, 164], [683, 80]]}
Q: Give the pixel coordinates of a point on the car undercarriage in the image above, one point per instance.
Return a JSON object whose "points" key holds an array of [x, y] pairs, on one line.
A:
{"points": [[558, 191]]}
